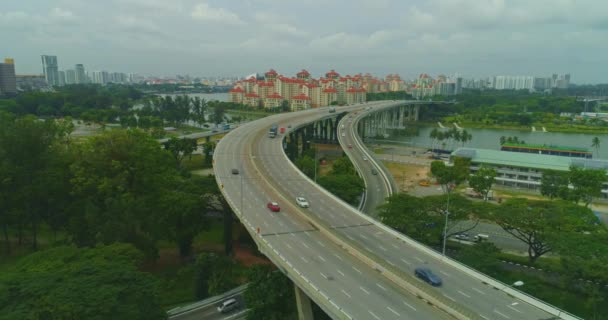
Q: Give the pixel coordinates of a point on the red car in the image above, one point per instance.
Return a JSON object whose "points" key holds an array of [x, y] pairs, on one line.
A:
{"points": [[273, 206]]}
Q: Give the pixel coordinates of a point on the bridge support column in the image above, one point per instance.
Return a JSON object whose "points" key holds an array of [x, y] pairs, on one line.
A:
{"points": [[304, 305]]}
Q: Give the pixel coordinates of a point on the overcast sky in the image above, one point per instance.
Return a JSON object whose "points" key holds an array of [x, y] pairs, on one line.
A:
{"points": [[472, 38]]}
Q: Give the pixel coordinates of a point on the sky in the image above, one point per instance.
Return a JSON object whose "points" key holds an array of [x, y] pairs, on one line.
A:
{"points": [[470, 38]]}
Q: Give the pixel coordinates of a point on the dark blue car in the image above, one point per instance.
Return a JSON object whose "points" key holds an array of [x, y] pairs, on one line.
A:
{"points": [[428, 276]]}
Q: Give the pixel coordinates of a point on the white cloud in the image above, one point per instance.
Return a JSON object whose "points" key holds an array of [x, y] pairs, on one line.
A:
{"points": [[203, 12]]}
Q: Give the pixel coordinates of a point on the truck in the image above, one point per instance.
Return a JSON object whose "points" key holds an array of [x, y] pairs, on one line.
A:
{"points": [[273, 131]]}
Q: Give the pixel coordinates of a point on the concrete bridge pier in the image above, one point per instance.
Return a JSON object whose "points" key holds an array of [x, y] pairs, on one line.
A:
{"points": [[304, 305]]}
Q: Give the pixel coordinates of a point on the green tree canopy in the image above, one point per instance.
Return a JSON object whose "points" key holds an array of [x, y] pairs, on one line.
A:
{"points": [[482, 181], [270, 295], [71, 283]]}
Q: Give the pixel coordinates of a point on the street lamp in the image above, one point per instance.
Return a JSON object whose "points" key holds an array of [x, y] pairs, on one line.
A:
{"points": [[447, 213]]}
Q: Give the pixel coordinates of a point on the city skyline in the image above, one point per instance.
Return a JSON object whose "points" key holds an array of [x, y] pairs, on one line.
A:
{"points": [[230, 39]]}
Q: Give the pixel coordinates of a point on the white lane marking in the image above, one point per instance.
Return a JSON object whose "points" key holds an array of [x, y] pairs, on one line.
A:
{"points": [[464, 294], [320, 257], [407, 304], [368, 249], [346, 294], [382, 248], [381, 287], [375, 316], [266, 224], [445, 273], [391, 263], [418, 259], [364, 237], [407, 262], [514, 309], [307, 234], [481, 292], [395, 246], [356, 269], [293, 235], [321, 244], [304, 244], [337, 256], [351, 238], [323, 275], [481, 315], [504, 315], [304, 259], [288, 246], [363, 289], [340, 272], [393, 311], [445, 295]]}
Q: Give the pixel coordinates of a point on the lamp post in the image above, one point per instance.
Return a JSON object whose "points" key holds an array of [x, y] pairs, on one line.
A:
{"points": [[447, 213]]}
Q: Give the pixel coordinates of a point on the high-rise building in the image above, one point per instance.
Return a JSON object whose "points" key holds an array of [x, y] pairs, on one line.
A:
{"points": [[50, 70], [61, 78], [70, 77], [8, 80], [81, 76]]}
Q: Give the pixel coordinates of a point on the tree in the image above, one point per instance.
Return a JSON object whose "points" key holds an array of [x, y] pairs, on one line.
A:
{"points": [[285, 106], [307, 165], [119, 178], [482, 181], [595, 143], [71, 283], [180, 148], [482, 257], [554, 184], [214, 274], [218, 114], [449, 177], [270, 295], [541, 224], [346, 187], [208, 148], [586, 184], [408, 215], [183, 211]]}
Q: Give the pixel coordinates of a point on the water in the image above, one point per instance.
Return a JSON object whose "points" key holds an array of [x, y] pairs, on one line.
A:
{"points": [[490, 139], [220, 96]]}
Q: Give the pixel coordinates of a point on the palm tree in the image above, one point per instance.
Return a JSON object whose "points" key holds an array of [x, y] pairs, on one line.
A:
{"points": [[595, 143]]}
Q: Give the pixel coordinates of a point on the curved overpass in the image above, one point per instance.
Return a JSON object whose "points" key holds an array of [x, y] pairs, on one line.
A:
{"points": [[349, 264]]}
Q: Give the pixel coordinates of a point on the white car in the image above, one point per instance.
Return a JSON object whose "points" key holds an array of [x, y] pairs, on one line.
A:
{"points": [[302, 202], [364, 158]]}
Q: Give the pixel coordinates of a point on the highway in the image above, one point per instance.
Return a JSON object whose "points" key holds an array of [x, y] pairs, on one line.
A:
{"points": [[347, 263]]}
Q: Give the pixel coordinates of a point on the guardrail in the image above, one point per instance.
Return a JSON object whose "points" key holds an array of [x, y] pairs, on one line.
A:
{"points": [[207, 302]]}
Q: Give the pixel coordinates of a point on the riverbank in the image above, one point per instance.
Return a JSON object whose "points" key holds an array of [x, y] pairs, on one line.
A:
{"points": [[583, 129]]}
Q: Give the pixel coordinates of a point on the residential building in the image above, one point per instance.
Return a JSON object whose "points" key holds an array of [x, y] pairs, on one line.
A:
{"points": [[61, 78], [31, 82], [80, 74], [8, 79], [50, 70], [524, 170], [300, 102], [273, 100], [70, 76], [513, 82]]}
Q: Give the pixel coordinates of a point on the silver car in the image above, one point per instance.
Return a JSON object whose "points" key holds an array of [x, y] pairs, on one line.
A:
{"points": [[302, 202]]}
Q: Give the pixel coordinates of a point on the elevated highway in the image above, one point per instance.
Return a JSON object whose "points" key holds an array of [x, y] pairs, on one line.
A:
{"points": [[352, 266]]}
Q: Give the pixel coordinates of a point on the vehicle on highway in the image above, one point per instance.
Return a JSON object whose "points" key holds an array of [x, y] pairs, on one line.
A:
{"points": [[428, 276], [302, 202], [481, 237], [228, 305], [273, 206], [424, 183], [462, 236], [374, 172], [273, 131], [343, 134], [350, 146], [364, 158], [332, 109], [289, 126], [235, 171]]}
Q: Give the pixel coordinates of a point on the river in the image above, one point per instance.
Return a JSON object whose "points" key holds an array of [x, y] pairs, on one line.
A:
{"points": [[490, 139], [219, 96]]}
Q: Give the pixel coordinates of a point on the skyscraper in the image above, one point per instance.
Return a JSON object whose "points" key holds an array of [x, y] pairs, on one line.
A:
{"points": [[8, 80], [70, 77], [62, 78], [50, 70], [81, 76]]}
